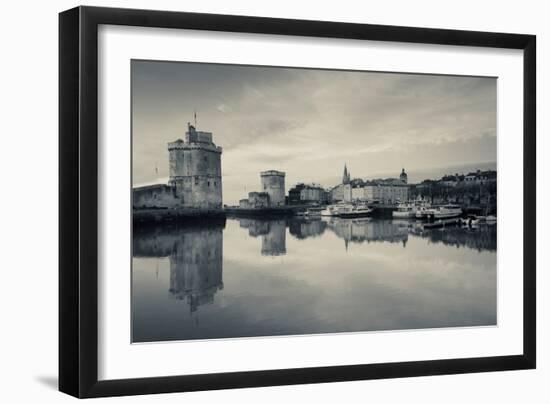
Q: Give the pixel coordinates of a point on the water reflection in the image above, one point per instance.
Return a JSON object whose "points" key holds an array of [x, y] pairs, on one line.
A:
{"points": [[214, 280], [306, 228], [272, 232], [481, 238], [368, 230], [195, 252]]}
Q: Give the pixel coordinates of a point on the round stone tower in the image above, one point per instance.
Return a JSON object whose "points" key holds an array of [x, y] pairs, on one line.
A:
{"points": [[273, 183], [195, 170]]}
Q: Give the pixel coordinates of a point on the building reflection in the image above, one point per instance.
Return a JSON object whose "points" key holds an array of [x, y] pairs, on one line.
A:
{"points": [[195, 253], [306, 228], [272, 232], [481, 238], [368, 230]]}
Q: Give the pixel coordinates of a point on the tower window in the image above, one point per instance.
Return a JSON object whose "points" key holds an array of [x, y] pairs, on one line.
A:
{"points": [[196, 180], [208, 183]]}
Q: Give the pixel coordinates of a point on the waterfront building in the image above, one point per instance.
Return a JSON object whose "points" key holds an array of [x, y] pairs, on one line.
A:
{"points": [[195, 176], [479, 177], [307, 193], [388, 191], [255, 200], [341, 192], [451, 180]]}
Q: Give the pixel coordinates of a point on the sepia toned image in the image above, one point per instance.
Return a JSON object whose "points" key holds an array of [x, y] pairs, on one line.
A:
{"points": [[273, 201]]}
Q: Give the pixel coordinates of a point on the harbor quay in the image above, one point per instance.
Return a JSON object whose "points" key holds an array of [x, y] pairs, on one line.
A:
{"points": [[194, 190]]}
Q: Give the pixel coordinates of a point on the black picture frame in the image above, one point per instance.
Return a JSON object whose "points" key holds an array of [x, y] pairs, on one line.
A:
{"points": [[78, 201]]}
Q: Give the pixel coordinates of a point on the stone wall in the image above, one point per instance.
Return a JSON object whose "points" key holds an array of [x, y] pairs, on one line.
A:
{"points": [[258, 199], [153, 196]]}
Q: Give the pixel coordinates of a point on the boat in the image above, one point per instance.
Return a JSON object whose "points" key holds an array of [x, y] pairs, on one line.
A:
{"points": [[405, 210], [355, 211], [422, 212], [314, 211], [445, 212], [333, 210]]}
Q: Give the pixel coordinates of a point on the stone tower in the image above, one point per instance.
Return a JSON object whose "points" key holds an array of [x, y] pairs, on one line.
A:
{"points": [[273, 183], [403, 176], [195, 170]]}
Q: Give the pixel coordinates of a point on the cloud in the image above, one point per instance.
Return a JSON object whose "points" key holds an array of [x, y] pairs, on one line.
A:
{"points": [[223, 108], [310, 122]]}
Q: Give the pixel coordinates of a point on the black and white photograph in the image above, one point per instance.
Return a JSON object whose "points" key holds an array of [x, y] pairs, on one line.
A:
{"points": [[274, 201]]}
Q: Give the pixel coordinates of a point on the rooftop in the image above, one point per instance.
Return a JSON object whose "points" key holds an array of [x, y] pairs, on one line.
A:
{"points": [[273, 172], [150, 187]]}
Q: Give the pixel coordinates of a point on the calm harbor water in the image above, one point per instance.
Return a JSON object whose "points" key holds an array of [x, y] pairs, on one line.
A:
{"points": [[250, 277]]}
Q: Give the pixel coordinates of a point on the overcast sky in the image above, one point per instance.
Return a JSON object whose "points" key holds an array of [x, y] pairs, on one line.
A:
{"points": [[308, 123]]}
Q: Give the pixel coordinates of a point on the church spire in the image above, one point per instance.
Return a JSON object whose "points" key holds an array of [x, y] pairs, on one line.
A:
{"points": [[345, 177]]}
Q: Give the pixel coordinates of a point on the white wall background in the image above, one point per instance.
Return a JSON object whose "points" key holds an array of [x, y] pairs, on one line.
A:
{"points": [[28, 165]]}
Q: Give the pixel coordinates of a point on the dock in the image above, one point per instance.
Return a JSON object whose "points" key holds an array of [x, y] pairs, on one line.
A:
{"points": [[152, 215], [278, 211]]}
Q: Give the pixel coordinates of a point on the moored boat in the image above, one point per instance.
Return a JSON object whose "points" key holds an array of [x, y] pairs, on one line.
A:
{"points": [[355, 211], [314, 211], [422, 212], [405, 210], [333, 210], [445, 212]]}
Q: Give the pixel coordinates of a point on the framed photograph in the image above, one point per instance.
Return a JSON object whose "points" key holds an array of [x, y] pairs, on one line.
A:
{"points": [[251, 201]]}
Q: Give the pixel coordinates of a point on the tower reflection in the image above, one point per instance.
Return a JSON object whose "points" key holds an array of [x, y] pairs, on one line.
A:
{"points": [[272, 232], [195, 252]]}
